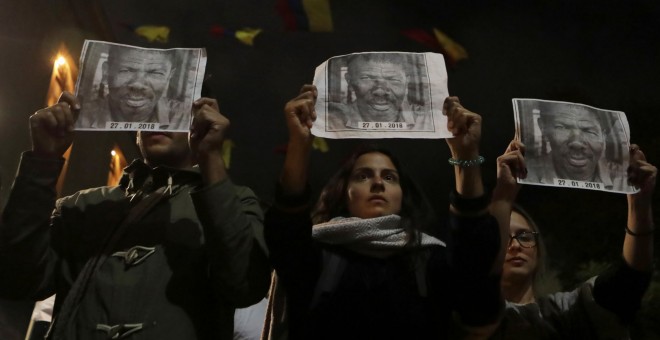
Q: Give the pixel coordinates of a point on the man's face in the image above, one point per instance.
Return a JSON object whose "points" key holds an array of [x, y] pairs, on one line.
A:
{"points": [[380, 88], [136, 81], [165, 148], [577, 141]]}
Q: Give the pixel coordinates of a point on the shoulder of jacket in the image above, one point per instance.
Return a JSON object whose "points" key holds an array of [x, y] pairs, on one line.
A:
{"points": [[92, 196]]}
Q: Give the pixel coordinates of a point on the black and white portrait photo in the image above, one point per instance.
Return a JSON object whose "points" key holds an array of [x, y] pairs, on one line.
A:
{"points": [[573, 145], [381, 95], [131, 88]]}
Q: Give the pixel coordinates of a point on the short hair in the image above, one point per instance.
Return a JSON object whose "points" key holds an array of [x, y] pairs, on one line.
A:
{"points": [[547, 110], [415, 209], [389, 58], [541, 252], [174, 57]]}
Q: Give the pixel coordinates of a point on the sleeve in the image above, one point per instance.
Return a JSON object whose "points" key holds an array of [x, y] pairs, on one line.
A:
{"points": [[620, 290], [597, 309], [293, 254], [232, 221], [472, 249], [576, 314], [27, 260]]}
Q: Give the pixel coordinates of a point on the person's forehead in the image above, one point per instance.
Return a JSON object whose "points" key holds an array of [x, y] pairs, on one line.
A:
{"points": [[519, 223], [575, 113], [142, 57], [374, 160], [361, 65]]}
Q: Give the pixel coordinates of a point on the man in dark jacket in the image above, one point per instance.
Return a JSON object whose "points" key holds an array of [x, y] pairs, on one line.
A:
{"points": [[167, 254]]}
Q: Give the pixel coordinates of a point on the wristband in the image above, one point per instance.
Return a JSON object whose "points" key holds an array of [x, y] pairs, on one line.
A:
{"points": [[463, 204], [467, 163], [641, 234]]}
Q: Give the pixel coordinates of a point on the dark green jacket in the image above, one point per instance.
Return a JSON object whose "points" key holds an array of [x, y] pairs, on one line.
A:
{"points": [[195, 256]]}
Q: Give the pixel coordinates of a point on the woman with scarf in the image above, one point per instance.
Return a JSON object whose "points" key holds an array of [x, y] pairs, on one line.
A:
{"points": [[364, 264]]}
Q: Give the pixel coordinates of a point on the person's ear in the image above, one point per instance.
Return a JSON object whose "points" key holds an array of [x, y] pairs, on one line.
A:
{"points": [[172, 72], [544, 138], [541, 124], [407, 87], [347, 76], [104, 72]]}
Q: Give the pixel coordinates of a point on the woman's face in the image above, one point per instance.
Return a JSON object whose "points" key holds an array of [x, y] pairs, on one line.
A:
{"points": [[519, 261], [373, 187]]}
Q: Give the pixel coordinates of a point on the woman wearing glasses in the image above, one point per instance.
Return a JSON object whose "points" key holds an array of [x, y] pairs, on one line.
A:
{"points": [[599, 308], [524, 261]]}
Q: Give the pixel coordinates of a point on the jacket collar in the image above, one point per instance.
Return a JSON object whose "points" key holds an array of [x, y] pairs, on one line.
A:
{"points": [[139, 176]]}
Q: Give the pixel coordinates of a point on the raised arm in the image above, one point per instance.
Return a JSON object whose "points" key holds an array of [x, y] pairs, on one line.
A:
{"points": [[638, 243], [620, 288], [27, 258], [475, 240], [230, 215], [300, 115], [52, 128], [464, 147], [207, 134], [510, 165], [288, 223]]}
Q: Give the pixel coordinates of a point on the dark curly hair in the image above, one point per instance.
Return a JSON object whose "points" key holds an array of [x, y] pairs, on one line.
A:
{"points": [[415, 210]]}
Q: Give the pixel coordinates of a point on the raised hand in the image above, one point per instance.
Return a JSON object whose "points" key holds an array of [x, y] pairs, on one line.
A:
{"points": [[466, 128], [641, 174], [638, 243], [300, 114], [510, 166], [52, 128], [207, 133]]}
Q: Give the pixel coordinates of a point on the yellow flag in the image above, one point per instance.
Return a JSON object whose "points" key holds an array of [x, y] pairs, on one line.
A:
{"points": [[247, 35], [453, 49], [227, 146], [154, 33], [320, 144], [318, 15]]}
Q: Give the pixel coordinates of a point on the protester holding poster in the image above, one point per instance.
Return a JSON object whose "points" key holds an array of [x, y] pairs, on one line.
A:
{"points": [[169, 253], [600, 308], [364, 262]]}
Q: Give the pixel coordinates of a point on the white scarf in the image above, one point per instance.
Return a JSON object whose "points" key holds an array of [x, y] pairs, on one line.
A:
{"points": [[376, 237]]}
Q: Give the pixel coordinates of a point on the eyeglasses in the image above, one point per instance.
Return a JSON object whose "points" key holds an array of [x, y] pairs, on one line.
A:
{"points": [[526, 239]]}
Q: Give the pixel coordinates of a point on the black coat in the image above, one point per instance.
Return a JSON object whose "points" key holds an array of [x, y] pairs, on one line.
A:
{"points": [[195, 256]]}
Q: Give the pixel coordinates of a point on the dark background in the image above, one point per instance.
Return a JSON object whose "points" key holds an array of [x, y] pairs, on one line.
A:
{"points": [[602, 53]]}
